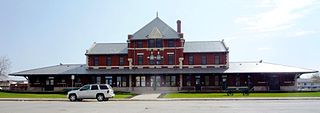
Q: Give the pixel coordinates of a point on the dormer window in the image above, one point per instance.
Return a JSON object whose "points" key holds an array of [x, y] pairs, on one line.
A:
{"points": [[217, 59], [151, 43], [139, 44], [171, 43], [159, 43], [96, 61]]}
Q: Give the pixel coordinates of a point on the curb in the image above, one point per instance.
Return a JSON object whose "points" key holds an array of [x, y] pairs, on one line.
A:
{"points": [[166, 99]]}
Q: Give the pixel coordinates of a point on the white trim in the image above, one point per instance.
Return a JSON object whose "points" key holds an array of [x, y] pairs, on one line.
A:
{"points": [[170, 53], [139, 53], [154, 66], [155, 48], [95, 67]]}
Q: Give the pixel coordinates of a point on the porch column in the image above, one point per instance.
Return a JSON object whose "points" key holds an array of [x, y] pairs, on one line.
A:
{"points": [[130, 82], [180, 81]]}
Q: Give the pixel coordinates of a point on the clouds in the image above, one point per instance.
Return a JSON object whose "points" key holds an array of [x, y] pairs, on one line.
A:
{"points": [[279, 15]]}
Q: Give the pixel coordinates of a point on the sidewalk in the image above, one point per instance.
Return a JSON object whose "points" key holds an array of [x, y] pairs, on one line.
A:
{"points": [[146, 97]]}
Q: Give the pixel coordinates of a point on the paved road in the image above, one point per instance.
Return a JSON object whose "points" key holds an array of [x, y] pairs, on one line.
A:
{"points": [[243, 106]]}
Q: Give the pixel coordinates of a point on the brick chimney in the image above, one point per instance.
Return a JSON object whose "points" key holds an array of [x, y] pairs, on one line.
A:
{"points": [[178, 26]]}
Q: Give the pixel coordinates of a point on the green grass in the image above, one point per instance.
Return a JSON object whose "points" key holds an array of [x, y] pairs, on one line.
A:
{"points": [[35, 95], [239, 95], [123, 95], [30, 95]]}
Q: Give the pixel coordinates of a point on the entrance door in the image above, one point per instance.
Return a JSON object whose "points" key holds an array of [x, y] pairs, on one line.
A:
{"points": [[49, 84], [198, 82], [108, 80], [274, 82], [155, 81]]}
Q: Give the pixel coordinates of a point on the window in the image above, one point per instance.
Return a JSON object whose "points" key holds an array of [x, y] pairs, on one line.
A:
{"points": [[159, 43], [143, 81], [139, 44], [188, 80], [173, 81], [37, 80], [118, 81], [140, 59], [109, 61], [96, 61], [151, 62], [98, 80], [151, 59], [159, 59], [170, 59], [86, 87], [170, 81], [94, 87], [121, 81], [170, 43], [151, 43], [167, 80], [216, 59], [121, 61], [103, 87], [203, 60], [238, 81], [207, 80], [191, 60], [216, 80], [140, 81], [124, 81]]}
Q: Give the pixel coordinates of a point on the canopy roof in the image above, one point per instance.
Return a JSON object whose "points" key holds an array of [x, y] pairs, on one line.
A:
{"points": [[234, 67]]}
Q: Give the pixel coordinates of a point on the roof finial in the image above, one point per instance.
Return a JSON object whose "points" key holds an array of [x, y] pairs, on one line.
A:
{"points": [[157, 14]]}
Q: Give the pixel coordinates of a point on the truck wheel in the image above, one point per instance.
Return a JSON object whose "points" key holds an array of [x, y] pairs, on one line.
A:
{"points": [[100, 97]]}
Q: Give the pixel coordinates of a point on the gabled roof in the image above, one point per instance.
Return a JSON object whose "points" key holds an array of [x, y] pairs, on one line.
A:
{"points": [[156, 26], [108, 48], [234, 67], [204, 46]]}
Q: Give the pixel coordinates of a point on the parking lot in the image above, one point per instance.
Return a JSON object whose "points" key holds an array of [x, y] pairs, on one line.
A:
{"points": [[225, 106]]}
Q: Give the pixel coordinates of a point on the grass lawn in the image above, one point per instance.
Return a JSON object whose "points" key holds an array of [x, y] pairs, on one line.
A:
{"points": [[239, 95], [30, 95], [123, 95], [35, 95]]}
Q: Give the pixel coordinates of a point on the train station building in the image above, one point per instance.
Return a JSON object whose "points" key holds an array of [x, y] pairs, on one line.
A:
{"points": [[158, 58]]}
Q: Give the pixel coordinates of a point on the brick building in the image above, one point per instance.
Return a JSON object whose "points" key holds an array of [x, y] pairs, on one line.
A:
{"points": [[157, 58]]}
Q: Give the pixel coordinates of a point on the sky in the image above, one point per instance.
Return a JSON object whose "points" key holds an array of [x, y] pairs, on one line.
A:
{"points": [[39, 33]]}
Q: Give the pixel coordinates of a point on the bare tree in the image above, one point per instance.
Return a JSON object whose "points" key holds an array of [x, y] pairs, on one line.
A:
{"points": [[4, 65], [316, 77]]}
